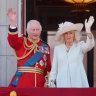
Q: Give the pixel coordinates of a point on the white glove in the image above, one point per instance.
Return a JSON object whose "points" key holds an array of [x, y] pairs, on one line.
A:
{"points": [[88, 24], [52, 84]]}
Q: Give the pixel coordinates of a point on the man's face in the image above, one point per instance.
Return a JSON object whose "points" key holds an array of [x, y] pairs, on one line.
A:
{"points": [[34, 31]]}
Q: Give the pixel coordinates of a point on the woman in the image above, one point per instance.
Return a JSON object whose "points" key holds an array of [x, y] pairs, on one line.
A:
{"points": [[67, 68]]}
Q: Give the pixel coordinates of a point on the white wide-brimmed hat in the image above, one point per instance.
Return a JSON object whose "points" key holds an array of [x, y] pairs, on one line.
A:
{"points": [[68, 26]]}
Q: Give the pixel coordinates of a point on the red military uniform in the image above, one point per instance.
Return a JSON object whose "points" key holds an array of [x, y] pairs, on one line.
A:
{"points": [[24, 49]]}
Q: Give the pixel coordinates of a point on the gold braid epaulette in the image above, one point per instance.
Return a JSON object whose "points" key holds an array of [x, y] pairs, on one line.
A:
{"points": [[31, 48]]}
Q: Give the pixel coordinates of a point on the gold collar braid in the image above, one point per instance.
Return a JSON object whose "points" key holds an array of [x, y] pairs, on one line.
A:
{"points": [[29, 48]]}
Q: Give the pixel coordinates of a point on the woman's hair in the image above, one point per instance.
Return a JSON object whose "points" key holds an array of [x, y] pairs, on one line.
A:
{"points": [[76, 39], [33, 21]]}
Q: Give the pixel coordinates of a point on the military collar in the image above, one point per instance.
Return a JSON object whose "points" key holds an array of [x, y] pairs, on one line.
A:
{"points": [[33, 41]]}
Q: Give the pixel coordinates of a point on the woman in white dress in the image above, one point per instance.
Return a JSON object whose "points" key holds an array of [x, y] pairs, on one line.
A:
{"points": [[67, 68]]}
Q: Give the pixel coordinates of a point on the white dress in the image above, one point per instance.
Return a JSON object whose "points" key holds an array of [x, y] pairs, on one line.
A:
{"points": [[67, 68]]}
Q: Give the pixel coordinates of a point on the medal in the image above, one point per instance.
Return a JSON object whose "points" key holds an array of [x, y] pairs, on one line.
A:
{"points": [[41, 63], [43, 49], [44, 57]]}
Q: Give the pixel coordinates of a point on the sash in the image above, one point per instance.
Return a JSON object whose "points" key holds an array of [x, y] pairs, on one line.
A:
{"points": [[29, 63]]}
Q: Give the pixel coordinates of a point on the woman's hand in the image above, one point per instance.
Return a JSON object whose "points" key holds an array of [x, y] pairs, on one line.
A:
{"points": [[12, 17], [88, 24], [52, 84]]}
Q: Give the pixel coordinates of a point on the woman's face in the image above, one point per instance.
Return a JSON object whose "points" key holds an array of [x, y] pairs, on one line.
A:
{"points": [[69, 37]]}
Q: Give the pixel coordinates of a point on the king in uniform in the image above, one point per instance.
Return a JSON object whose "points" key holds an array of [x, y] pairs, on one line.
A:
{"points": [[33, 55]]}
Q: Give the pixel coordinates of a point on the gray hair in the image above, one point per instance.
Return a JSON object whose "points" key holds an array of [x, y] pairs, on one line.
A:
{"points": [[76, 40], [34, 21]]}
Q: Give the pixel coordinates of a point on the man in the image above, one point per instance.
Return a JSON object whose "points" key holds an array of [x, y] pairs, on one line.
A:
{"points": [[33, 55]]}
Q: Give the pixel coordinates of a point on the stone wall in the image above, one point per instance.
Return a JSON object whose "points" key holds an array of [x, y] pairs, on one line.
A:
{"points": [[7, 60]]}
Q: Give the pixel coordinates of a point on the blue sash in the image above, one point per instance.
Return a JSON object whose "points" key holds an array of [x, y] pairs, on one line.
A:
{"points": [[29, 63]]}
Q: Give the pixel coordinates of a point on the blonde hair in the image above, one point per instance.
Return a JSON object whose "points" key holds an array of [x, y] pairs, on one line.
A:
{"points": [[76, 39]]}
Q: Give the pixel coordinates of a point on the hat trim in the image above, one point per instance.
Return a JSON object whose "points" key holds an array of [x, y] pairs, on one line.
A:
{"points": [[74, 27]]}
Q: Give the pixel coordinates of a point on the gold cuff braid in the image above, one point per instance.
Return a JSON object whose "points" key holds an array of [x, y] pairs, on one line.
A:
{"points": [[13, 33]]}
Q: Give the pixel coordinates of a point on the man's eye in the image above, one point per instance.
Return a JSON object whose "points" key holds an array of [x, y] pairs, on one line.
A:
{"points": [[37, 29], [33, 29]]}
